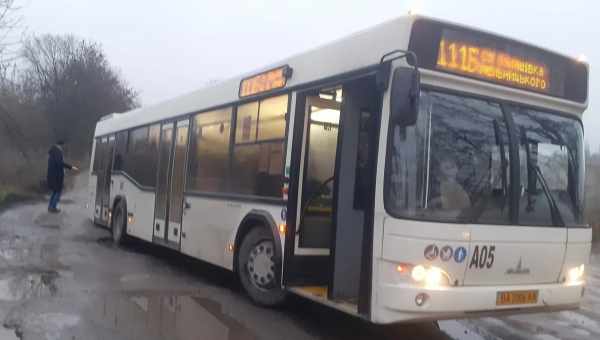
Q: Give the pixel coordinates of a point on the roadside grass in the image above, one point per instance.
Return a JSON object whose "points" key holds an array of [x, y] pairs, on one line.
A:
{"points": [[9, 197], [4, 198]]}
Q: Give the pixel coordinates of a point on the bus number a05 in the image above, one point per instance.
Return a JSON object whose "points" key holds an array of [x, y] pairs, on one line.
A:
{"points": [[482, 257]]}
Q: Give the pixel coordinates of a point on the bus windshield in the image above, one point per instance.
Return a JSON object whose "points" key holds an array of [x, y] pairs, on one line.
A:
{"points": [[455, 164]]}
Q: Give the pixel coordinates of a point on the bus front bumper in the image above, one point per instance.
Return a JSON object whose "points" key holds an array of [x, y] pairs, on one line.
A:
{"points": [[398, 302]]}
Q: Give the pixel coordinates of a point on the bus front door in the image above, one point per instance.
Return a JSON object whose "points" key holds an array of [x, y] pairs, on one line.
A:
{"points": [[328, 253], [170, 183], [307, 262], [105, 152]]}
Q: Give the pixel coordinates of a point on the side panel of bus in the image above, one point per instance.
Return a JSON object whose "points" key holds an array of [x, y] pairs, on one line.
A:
{"points": [[140, 206], [210, 215], [210, 226]]}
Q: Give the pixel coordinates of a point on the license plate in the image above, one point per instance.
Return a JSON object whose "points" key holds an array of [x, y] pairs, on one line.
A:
{"points": [[520, 297]]}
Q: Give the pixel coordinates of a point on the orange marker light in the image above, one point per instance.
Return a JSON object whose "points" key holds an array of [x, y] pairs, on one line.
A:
{"points": [[282, 228]]}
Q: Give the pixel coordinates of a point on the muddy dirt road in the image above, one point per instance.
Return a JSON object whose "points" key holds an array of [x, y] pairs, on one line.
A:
{"points": [[61, 278]]}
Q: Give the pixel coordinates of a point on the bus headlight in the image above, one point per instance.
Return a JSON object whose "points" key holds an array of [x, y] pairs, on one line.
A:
{"points": [[575, 275], [432, 277], [419, 273]]}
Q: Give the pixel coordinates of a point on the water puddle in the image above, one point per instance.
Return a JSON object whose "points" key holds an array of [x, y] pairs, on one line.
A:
{"points": [[167, 317], [27, 285]]}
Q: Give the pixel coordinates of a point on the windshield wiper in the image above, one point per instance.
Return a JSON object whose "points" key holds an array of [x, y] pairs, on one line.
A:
{"points": [[556, 216]]}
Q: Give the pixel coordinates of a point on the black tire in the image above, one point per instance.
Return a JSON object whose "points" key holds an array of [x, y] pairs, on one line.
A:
{"points": [[268, 293], [119, 223]]}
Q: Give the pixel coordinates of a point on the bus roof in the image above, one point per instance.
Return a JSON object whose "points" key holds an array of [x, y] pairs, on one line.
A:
{"points": [[357, 51]]}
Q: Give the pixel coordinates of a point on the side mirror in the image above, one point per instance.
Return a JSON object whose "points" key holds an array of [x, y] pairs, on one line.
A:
{"points": [[405, 92]]}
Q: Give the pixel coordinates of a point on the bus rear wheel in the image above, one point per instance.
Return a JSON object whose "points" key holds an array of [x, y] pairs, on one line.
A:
{"points": [[258, 270], [119, 223]]}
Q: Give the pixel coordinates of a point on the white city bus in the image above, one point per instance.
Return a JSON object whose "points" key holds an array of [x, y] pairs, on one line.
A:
{"points": [[417, 170]]}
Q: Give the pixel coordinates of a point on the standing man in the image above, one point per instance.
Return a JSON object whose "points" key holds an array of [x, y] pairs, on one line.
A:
{"points": [[56, 174]]}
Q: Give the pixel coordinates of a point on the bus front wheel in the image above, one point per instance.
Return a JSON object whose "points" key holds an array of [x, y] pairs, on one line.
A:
{"points": [[257, 268]]}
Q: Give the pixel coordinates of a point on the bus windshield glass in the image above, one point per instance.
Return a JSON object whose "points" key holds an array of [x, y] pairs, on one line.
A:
{"points": [[455, 164]]}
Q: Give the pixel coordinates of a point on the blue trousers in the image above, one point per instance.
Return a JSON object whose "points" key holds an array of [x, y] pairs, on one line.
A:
{"points": [[54, 199]]}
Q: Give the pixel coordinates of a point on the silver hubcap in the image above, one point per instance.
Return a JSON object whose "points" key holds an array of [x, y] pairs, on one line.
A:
{"points": [[261, 267]]}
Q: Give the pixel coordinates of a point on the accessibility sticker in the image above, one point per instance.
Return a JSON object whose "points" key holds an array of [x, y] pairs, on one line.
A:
{"points": [[431, 252], [460, 254], [446, 253]]}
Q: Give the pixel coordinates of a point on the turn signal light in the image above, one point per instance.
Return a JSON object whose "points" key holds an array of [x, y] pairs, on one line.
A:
{"points": [[282, 227]]}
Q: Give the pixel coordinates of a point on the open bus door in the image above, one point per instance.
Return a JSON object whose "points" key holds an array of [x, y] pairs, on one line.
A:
{"points": [[329, 248], [104, 152]]}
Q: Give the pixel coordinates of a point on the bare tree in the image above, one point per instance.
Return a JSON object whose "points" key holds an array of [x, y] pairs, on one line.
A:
{"points": [[9, 23], [74, 84]]}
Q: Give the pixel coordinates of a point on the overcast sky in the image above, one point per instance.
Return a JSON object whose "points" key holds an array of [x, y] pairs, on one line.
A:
{"points": [[168, 48]]}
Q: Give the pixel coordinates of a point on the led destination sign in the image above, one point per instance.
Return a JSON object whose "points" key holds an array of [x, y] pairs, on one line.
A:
{"points": [[487, 57], [264, 82], [493, 65]]}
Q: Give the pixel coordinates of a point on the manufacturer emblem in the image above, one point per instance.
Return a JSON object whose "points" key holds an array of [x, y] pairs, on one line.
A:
{"points": [[460, 254], [519, 269], [446, 253], [431, 252]]}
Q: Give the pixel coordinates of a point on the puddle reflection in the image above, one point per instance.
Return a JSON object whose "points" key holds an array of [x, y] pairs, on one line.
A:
{"points": [[168, 317]]}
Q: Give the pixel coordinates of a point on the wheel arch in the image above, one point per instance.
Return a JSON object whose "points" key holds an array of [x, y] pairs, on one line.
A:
{"points": [[253, 219]]}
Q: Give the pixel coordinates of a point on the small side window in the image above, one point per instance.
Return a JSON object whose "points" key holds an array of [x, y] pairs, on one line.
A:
{"points": [[272, 117], [247, 117]]}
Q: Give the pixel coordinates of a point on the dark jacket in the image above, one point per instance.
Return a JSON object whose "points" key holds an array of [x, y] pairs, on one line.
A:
{"points": [[56, 166]]}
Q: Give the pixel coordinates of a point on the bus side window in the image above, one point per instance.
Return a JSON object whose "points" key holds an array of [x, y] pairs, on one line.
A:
{"points": [[97, 156], [120, 151], [259, 147], [209, 151]]}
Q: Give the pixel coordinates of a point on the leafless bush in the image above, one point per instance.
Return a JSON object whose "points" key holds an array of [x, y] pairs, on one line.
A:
{"points": [[73, 82], [59, 90], [9, 30]]}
